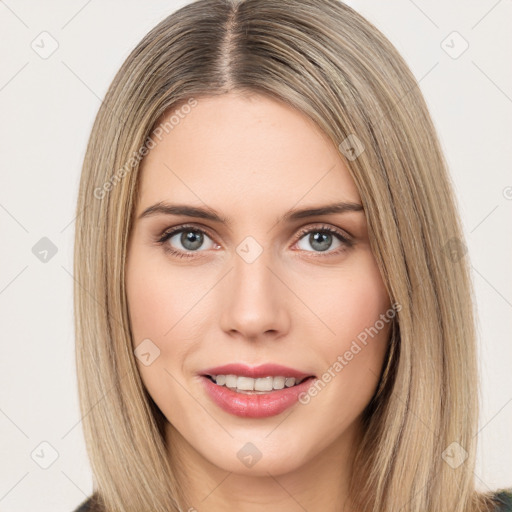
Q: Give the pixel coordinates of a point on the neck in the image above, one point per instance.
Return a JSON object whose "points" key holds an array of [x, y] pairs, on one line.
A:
{"points": [[321, 483]]}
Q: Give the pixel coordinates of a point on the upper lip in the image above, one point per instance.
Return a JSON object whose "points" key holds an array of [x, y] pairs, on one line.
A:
{"points": [[263, 370]]}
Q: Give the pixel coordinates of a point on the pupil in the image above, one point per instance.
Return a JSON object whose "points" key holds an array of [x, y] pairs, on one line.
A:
{"points": [[195, 239]]}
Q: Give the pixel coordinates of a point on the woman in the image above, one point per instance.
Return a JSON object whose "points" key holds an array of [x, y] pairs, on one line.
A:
{"points": [[273, 308]]}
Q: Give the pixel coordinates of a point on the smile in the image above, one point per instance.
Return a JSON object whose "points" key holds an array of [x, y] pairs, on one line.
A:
{"points": [[242, 384]]}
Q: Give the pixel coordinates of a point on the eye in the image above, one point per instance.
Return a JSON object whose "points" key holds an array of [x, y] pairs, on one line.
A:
{"points": [[191, 238], [321, 239]]}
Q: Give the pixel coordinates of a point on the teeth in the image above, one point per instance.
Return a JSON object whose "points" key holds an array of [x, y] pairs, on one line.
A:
{"points": [[279, 382], [262, 384], [245, 384], [289, 382], [231, 381]]}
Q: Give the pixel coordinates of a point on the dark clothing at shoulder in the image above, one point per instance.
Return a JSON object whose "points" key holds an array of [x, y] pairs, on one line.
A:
{"points": [[504, 500], [86, 506]]}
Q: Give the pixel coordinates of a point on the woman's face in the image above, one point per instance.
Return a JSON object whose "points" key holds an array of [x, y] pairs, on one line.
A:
{"points": [[255, 286]]}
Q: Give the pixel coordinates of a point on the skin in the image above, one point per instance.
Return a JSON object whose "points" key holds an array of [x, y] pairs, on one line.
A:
{"points": [[252, 159]]}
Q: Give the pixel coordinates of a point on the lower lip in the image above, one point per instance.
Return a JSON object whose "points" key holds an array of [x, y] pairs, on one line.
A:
{"points": [[257, 405]]}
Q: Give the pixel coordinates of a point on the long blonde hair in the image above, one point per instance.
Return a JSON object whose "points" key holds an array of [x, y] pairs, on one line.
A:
{"points": [[324, 59]]}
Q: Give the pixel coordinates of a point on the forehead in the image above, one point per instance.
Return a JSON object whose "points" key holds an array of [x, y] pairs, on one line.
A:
{"points": [[249, 152]]}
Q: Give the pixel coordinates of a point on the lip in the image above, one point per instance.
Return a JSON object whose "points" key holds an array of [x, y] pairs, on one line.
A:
{"points": [[255, 405], [263, 370]]}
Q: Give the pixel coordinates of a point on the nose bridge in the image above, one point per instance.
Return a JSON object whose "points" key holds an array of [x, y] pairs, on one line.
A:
{"points": [[251, 274], [255, 303]]}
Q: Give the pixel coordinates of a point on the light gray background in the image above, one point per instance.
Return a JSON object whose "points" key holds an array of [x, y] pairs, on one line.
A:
{"points": [[48, 107]]}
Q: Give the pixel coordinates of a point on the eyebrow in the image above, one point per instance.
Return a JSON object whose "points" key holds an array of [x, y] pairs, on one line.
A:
{"points": [[164, 208]]}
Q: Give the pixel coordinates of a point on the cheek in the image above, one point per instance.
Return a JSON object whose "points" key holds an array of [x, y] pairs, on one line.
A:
{"points": [[158, 298], [163, 306], [354, 304], [359, 313]]}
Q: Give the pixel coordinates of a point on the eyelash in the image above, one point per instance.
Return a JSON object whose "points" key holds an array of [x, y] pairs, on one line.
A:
{"points": [[166, 235]]}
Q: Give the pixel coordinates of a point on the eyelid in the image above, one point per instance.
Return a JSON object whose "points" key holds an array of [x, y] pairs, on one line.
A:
{"points": [[181, 227], [347, 237]]}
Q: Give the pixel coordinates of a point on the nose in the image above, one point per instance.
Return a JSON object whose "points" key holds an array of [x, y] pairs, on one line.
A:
{"points": [[255, 301]]}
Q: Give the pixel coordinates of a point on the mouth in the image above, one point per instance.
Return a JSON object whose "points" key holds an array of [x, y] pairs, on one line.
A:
{"points": [[255, 392]]}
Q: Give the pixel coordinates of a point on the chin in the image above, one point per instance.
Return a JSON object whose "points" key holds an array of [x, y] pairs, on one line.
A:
{"points": [[274, 464]]}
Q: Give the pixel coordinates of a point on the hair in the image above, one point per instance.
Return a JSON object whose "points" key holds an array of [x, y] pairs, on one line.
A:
{"points": [[325, 60]]}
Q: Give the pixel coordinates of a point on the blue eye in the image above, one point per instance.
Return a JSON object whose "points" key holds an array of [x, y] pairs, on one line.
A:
{"points": [[192, 238], [322, 239]]}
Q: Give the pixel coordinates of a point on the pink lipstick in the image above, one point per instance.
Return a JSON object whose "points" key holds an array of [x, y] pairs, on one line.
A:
{"points": [[255, 392]]}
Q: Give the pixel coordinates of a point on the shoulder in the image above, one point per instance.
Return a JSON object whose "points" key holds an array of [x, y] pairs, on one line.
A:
{"points": [[503, 500], [86, 506]]}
